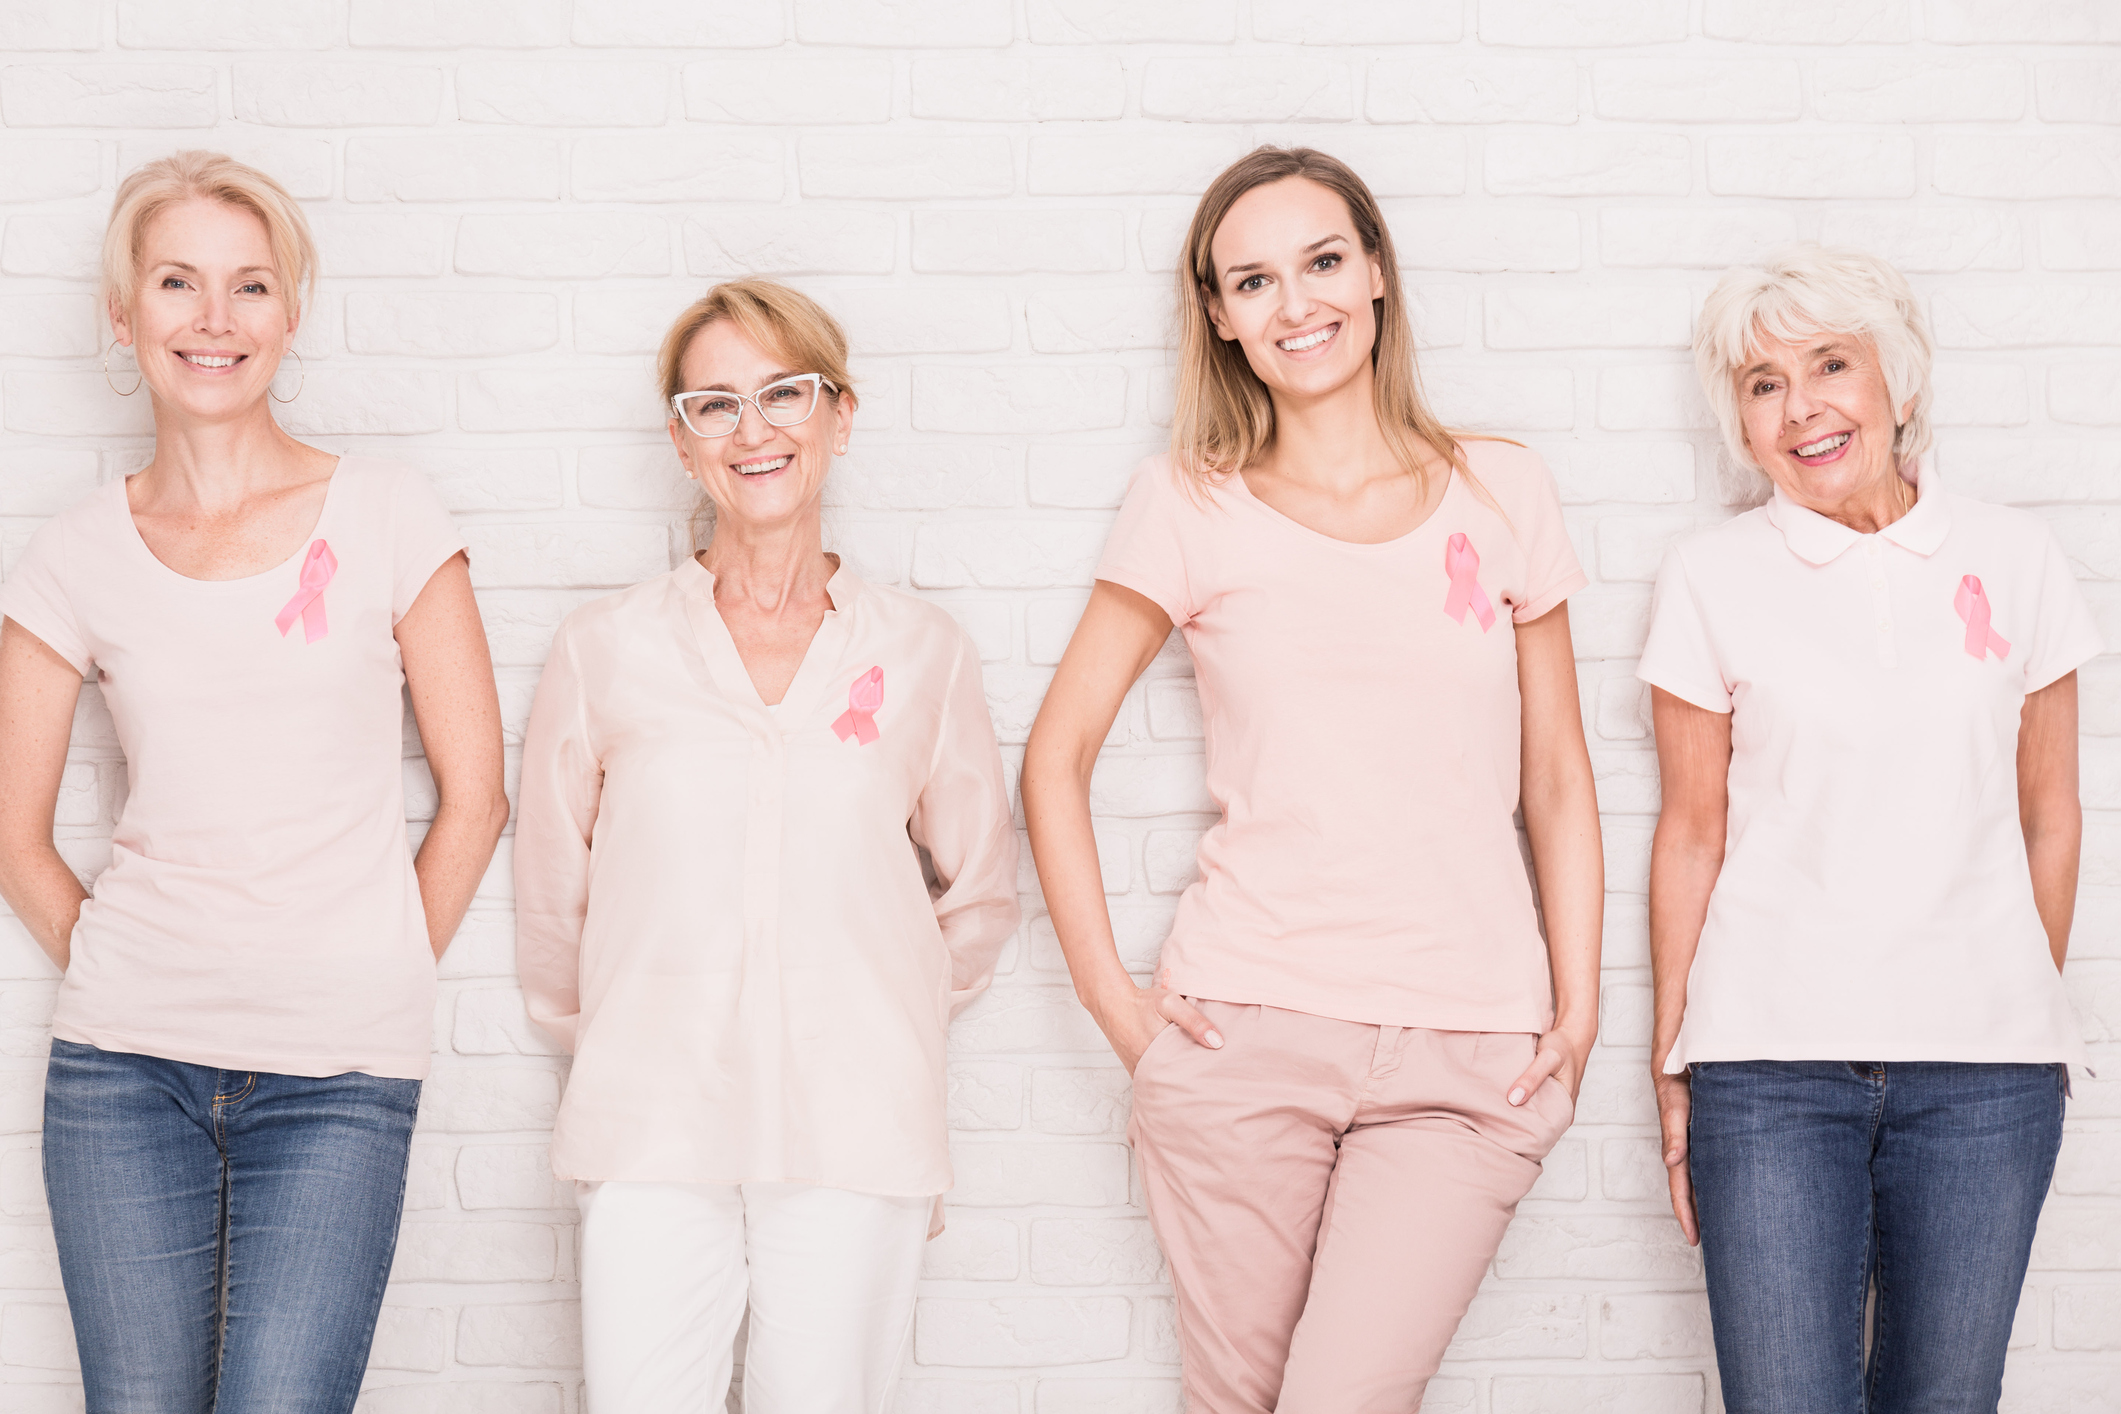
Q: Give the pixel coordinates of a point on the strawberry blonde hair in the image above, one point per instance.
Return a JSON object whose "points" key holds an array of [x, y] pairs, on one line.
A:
{"points": [[152, 188], [1224, 417]]}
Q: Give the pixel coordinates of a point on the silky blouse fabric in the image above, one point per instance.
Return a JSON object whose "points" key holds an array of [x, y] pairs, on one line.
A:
{"points": [[1363, 739], [721, 907], [1875, 901], [260, 911]]}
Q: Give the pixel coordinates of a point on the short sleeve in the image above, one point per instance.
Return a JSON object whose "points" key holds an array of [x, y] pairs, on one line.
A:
{"points": [[1679, 656], [422, 538], [1552, 571], [1146, 550], [35, 597], [2065, 636]]}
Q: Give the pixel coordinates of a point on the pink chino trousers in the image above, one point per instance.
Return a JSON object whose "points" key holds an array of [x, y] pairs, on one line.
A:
{"points": [[1328, 1196]]}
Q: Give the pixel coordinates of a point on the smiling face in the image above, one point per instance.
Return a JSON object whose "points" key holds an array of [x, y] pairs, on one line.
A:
{"points": [[759, 475], [1294, 288], [1817, 417], [211, 320]]}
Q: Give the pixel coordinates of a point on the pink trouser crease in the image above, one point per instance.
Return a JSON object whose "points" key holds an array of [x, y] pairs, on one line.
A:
{"points": [[1328, 1196]]}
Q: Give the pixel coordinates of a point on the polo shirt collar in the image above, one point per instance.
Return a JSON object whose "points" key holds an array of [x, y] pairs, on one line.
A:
{"points": [[1817, 540]]}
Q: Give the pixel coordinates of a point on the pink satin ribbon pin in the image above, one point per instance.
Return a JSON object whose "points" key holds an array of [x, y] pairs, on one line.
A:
{"points": [[318, 566], [1972, 606], [1462, 564], [859, 720]]}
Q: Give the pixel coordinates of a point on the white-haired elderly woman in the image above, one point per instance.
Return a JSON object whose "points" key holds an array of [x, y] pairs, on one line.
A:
{"points": [[1860, 893]]}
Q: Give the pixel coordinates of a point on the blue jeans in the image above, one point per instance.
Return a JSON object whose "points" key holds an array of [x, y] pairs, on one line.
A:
{"points": [[1813, 1178], [225, 1236]]}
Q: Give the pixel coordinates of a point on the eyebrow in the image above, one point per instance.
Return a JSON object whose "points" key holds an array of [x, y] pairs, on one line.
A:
{"points": [[1765, 367], [190, 269], [779, 377], [1261, 264]]}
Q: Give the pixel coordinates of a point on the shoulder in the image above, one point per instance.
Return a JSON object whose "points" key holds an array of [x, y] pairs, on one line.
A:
{"points": [[587, 622], [909, 617], [85, 527], [1516, 477], [386, 483], [1735, 545], [2012, 527]]}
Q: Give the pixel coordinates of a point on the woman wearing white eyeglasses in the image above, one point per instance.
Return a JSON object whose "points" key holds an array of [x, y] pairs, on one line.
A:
{"points": [[763, 854]]}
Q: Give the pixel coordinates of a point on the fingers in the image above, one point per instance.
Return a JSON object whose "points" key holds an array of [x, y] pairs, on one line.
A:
{"points": [[1188, 1018], [1682, 1183], [1543, 1067]]}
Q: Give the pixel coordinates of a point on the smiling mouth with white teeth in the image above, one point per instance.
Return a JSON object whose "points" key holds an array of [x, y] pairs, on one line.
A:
{"points": [[212, 360], [1307, 341], [1821, 447], [762, 468]]}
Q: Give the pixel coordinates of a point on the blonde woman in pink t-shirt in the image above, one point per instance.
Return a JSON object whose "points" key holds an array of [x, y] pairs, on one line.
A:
{"points": [[1356, 1048], [248, 1001]]}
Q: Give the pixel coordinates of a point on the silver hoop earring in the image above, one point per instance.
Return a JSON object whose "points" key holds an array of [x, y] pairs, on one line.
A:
{"points": [[121, 392], [302, 378]]}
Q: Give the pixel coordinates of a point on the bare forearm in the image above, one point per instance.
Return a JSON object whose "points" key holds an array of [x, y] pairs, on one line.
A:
{"points": [[45, 896], [451, 861], [1682, 876], [1568, 859], [2053, 848], [1064, 848]]}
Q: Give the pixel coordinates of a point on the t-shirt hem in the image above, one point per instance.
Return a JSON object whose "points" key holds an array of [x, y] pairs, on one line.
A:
{"points": [[1545, 603], [34, 623], [1420, 1013], [439, 556], [1861, 1049], [2069, 663], [308, 1067], [1686, 691], [1128, 579]]}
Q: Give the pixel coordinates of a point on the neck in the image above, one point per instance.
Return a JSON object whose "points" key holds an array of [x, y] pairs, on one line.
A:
{"points": [[1876, 506], [1331, 441], [217, 464], [774, 568]]}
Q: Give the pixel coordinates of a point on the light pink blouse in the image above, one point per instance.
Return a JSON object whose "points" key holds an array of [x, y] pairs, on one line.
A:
{"points": [[260, 910], [752, 926]]}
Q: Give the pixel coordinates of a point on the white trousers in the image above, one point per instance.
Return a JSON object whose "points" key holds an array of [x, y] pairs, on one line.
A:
{"points": [[669, 1268]]}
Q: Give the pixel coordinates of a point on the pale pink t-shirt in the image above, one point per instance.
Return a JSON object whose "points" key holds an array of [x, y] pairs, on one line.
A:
{"points": [[1363, 745], [260, 910], [1875, 902]]}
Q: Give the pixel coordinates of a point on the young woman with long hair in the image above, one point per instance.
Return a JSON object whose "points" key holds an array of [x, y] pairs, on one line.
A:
{"points": [[1357, 1047]]}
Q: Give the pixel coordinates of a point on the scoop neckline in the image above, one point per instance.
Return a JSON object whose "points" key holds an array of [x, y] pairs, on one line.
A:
{"points": [[1365, 546], [139, 541]]}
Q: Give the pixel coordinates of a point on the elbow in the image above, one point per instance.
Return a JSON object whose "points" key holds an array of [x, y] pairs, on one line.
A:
{"points": [[496, 813]]}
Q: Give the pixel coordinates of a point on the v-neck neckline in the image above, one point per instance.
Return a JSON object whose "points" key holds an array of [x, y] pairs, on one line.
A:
{"points": [[725, 665]]}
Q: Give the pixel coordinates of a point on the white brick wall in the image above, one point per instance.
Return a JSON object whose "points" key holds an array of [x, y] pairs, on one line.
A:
{"points": [[514, 197]]}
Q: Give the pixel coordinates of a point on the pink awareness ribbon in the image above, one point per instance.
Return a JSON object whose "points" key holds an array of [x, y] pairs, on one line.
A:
{"points": [[318, 566], [859, 720], [1462, 564], [1972, 606]]}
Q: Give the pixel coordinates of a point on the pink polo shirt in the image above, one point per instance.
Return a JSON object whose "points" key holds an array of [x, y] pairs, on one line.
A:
{"points": [[260, 910], [1875, 903], [1363, 743]]}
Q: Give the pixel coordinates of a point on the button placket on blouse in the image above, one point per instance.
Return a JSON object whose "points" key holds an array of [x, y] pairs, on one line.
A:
{"points": [[1881, 602], [762, 863]]}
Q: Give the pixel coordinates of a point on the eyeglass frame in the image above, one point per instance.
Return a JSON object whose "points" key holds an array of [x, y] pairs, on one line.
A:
{"points": [[818, 381]]}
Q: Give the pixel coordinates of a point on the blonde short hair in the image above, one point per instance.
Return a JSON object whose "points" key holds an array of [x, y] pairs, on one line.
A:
{"points": [[773, 316], [152, 188], [1807, 289]]}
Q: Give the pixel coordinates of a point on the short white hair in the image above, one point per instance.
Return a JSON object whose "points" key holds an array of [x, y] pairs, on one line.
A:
{"points": [[1807, 289]]}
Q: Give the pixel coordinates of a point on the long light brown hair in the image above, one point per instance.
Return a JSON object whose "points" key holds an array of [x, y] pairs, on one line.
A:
{"points": [[1224, 417]]}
